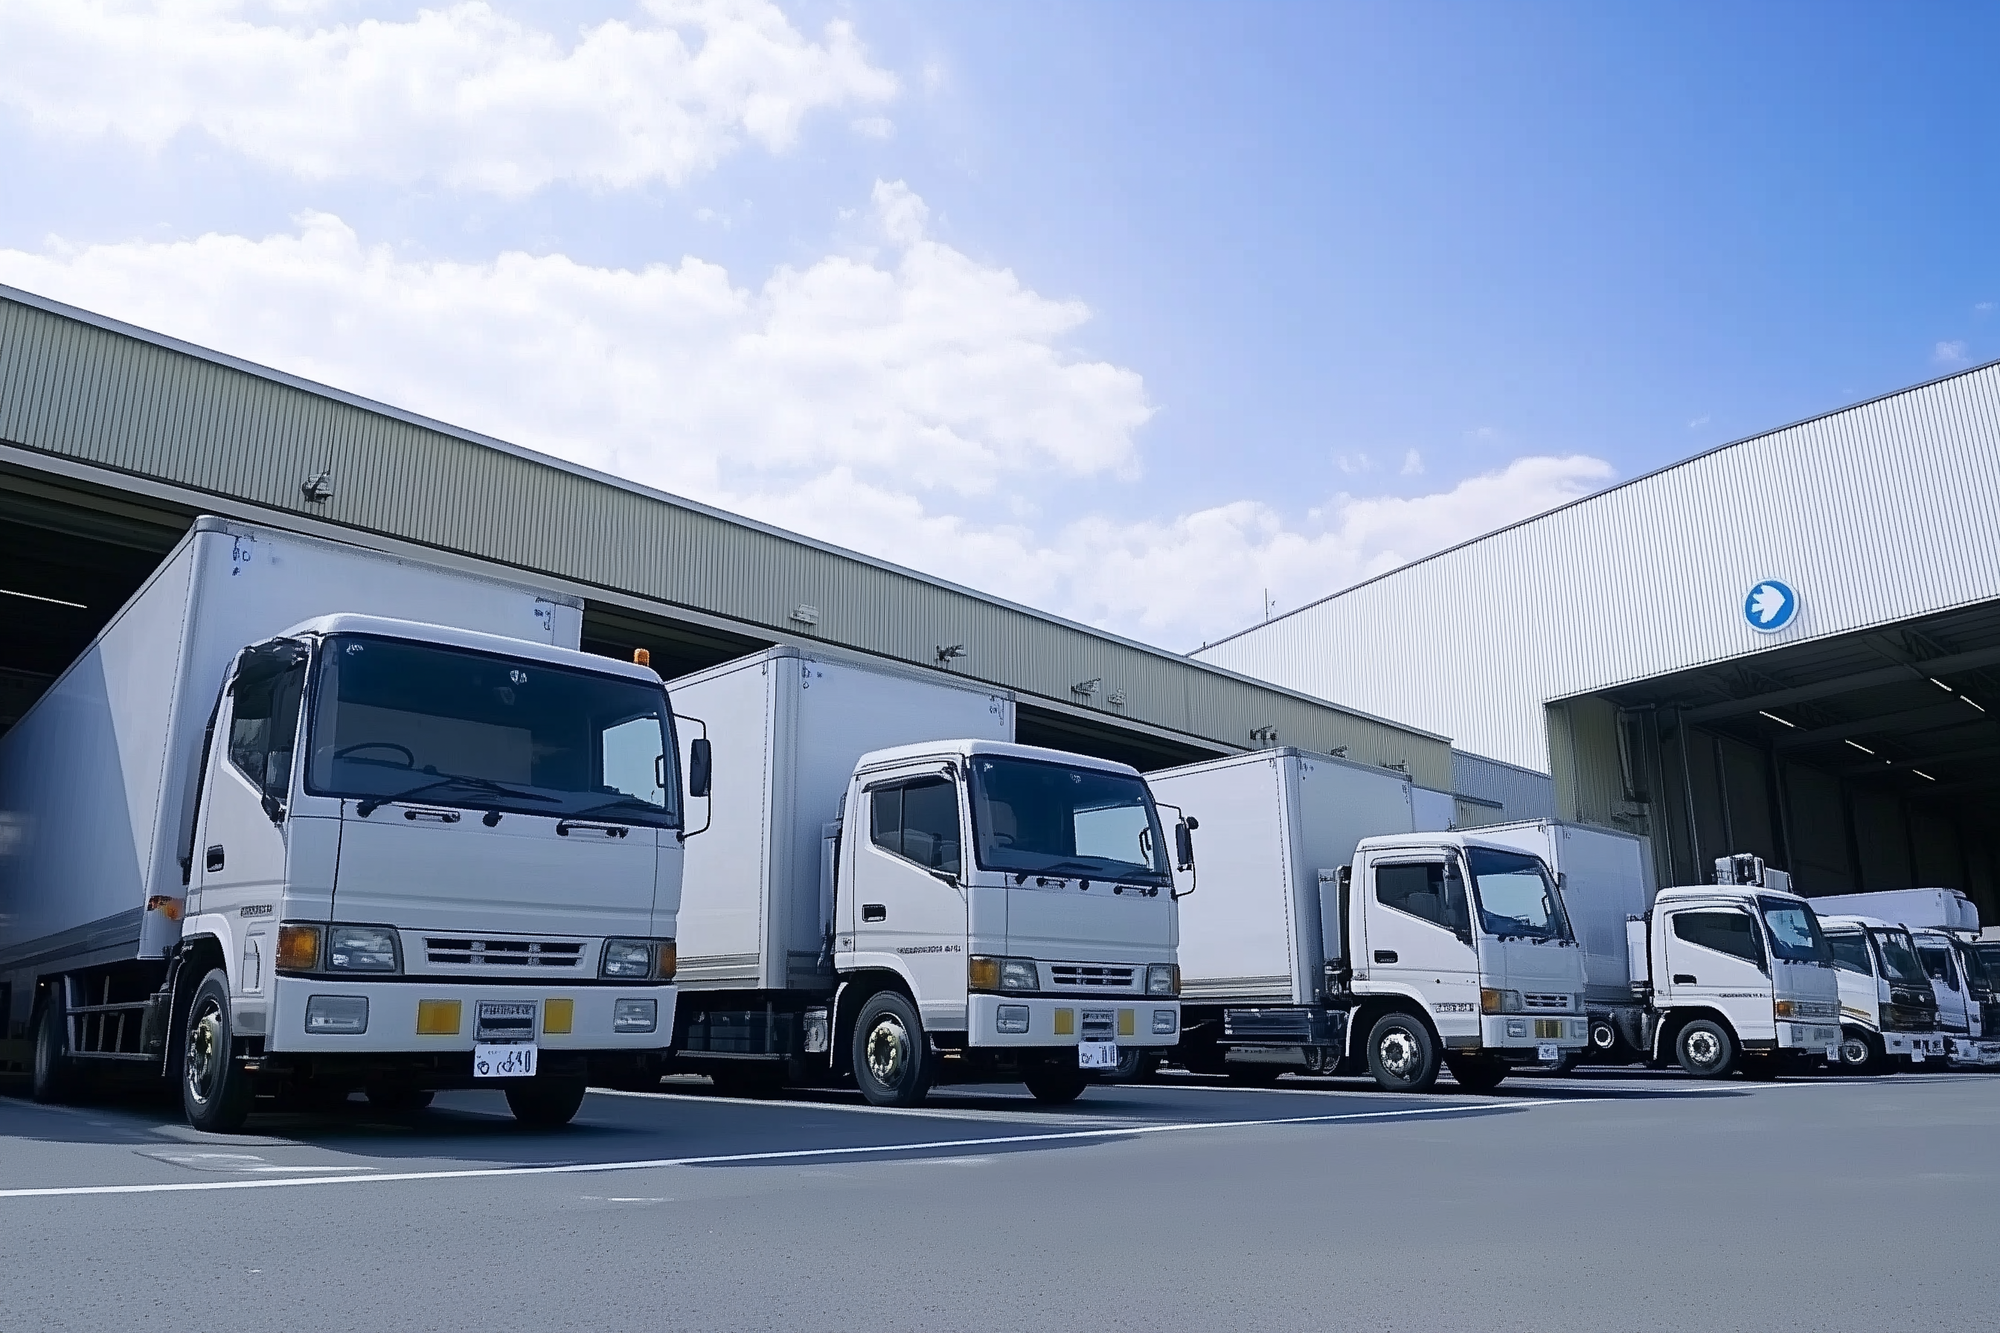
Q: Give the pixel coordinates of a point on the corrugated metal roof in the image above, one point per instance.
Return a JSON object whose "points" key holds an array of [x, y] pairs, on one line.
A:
{"points": [[122, 400], [1875, 514]]}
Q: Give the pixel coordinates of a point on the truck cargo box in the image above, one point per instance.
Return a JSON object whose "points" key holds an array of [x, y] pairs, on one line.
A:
{"points": [[1607, 878], [787, 726], [1918, 909], [1270, 822], [96, 778]]}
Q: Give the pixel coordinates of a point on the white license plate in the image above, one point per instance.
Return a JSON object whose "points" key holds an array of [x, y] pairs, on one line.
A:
{"points": [[1833, 1055], [1097, 1054], [1548, 1053], [510, 1059], [1916, 1055]]}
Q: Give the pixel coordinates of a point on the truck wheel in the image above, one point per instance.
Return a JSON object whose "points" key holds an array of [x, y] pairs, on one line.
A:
{"points": [[215, 1094], [1705, 1049], [55, 1077], [1056, 1087], [1476, 1073], [1136, 1064], [1859, 1053], [398, 1098], [891, 1063], [545, 1103], [1401, 1055]]}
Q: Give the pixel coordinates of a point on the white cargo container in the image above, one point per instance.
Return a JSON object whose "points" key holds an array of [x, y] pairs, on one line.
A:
{"points": [[179, 898], [889, 887], [1285, 965]]}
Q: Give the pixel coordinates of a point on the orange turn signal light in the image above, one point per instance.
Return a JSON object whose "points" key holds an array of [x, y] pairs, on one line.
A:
{"points": [[298, 948], [670, 959], [170, 908]]}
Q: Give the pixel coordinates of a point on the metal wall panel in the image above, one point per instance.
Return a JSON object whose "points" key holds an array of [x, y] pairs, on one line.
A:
{"points": [[1520, 792], [81, 388], [1875, 514]]}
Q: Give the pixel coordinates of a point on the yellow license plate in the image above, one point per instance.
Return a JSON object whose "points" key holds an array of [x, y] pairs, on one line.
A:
{"points": [[1548, 1029]]}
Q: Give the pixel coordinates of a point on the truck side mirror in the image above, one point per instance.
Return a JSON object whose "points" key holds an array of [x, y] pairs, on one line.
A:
{"points": [[701, 763], [1184, 843]]}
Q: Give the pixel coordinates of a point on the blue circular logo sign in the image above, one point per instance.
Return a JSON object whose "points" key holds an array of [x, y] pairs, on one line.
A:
{"points": [[1770, 606]]}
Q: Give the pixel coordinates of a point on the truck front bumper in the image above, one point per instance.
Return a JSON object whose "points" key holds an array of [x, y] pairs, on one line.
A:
{"points": [[1918, 1046], [1025, 1021], [425, 1017], [1976, 1051], [1526, 1033], [1818, 1037]]}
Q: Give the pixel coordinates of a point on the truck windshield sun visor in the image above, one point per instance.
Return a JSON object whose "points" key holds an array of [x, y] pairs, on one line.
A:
{"points": [[1031, 817], [1515, 896], [1795, 933], [393, 720]]}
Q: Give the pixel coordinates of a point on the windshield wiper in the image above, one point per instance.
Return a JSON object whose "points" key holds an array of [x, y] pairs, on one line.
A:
{"points": [[1083, 870], [622, 803], [374, 803]]}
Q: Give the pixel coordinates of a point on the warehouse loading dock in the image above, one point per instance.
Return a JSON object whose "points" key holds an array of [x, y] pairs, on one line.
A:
{"points": [[1862, 762]]}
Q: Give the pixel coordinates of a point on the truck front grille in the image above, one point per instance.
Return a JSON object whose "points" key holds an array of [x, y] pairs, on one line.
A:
{"points": [[1545, 1001], [1092, 976], [451, 952]]}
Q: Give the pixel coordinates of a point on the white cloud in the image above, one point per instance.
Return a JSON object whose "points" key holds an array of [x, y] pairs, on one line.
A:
{"points": [[1949, 353], [463, 95], [918, 405], [1698, 422], [1413, 464]]}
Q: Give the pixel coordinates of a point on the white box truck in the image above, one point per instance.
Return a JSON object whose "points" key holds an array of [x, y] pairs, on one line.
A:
{"points": [[1325, 933], [887, 886], [1734, 976], [306, 817], [1883, 1031]]}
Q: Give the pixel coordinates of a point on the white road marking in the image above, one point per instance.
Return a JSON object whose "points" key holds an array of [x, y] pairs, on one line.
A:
{"points": [[789, 1155], [930, 1111]]}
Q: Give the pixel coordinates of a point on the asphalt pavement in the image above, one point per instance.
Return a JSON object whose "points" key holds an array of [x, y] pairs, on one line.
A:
{"points": [[1606, 1200]]}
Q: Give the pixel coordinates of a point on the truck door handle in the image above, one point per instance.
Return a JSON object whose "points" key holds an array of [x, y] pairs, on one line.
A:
{"points": [[214, 859], [1683, 979], [874, 912], [1385, 955]]}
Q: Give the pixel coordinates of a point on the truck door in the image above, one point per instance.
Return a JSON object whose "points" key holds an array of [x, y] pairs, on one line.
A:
{"points": [[1716, 957], [907, 896], [1418, 937], [239, 847], [1945, 984]]}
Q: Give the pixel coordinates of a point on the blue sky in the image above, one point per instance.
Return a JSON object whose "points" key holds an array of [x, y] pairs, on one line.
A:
{"points": [[1130, 311]]}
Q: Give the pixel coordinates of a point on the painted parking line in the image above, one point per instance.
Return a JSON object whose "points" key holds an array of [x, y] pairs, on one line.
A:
{"points": [[788, 1155], [926, 1112]]}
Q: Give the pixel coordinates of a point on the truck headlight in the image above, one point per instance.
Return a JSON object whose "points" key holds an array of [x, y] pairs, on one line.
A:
{"points": [[1163, 979], [635, 1016], [1001, 974], [1493, 1001], [629, 960], [362, 949], [1011, 1018]]}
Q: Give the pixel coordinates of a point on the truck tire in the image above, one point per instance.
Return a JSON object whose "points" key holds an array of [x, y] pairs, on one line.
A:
{"points": [[1705, 1049], [1402, 1055], [1860, 1053], [55, 1075], [215, 1093], [1056, 1087], [545, 1103], [1476, 1073], [892, 1065], [1136, 1064], [398, 1098]]}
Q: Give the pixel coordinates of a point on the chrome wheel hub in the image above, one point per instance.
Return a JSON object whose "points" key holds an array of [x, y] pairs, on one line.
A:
{"points": [[1703, 1048], [1854, 1051], [887, 1050], [1399, 1053], [204, 1037]]}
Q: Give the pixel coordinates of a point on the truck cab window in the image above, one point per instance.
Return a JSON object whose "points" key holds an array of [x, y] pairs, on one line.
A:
{"points": [[1850, 952], [1430, 890], [1516, 898], [1733, 933], [918, 821], [264, 719], [1937, 962], [629, 759]]}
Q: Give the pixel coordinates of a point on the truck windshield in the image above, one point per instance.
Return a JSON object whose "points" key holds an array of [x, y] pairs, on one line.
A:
{"points": [[1038, 818], [1974, 968], [1899, 957], [1515, 896], [1795, 933], [393, 719]]}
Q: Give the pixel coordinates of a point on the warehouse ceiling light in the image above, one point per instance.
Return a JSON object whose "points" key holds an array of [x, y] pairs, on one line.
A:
{"points": [[1859, 746], [1779, 720]]}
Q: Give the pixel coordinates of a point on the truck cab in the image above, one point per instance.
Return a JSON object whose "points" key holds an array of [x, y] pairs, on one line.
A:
{"points": [[1888, 1012], [1959, 984], [423, 858], [1447, 949], [1000, 911]]}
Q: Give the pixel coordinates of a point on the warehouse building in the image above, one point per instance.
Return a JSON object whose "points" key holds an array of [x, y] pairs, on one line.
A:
{"points": [[113, 439], [1789, 645]]}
